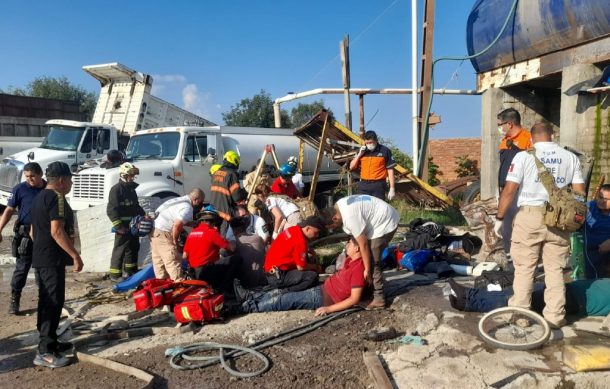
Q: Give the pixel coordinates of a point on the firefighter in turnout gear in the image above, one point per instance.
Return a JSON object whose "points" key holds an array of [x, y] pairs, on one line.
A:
{"points": [[225, 189], [122, 207]]}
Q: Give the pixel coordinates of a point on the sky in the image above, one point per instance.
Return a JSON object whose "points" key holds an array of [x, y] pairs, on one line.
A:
{"points": [[205, 56]]}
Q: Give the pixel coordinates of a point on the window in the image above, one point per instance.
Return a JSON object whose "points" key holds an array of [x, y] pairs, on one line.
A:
{"points": [[196, 147]]}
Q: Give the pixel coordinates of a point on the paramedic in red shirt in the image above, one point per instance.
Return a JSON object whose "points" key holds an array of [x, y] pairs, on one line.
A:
{"points": [[376, 164], [202, 251], [283, 184], [341, 291], [286, 263]]}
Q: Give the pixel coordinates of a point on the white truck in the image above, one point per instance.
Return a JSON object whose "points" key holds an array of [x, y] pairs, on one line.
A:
{"points": [[125, 105], [174, 160]]}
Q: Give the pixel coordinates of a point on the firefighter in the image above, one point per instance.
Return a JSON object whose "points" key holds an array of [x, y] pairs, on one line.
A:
{"points": [[122, 207], [225, 189]]}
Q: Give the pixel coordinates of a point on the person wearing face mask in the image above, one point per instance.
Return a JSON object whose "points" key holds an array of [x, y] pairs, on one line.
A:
{"points": [[515, 139], [376, 164], [122, 207]]}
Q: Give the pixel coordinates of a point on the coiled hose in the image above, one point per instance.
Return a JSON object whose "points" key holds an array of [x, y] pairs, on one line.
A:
{"points": [[180, 354]]}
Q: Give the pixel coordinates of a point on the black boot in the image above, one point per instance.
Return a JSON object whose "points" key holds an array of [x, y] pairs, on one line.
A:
{"points": [[14, 306]]}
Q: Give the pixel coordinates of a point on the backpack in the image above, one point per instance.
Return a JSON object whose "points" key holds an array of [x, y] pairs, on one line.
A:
{"points": [[494, 277], [306, 208], [566, 208]]}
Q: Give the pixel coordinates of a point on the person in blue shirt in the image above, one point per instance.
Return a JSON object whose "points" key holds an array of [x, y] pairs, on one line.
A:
{"points": [[21, 200], [597, 235]]}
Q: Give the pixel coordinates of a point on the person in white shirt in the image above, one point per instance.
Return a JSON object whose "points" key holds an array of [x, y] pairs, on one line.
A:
{"points": [[285, 212], [372, 222], [171, 218], [531, 237]]}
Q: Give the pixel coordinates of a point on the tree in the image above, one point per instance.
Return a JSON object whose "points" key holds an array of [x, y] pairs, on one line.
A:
{"points": [[302, 113], [59, 88], [255, 112], [433, 172], [466, 166]]}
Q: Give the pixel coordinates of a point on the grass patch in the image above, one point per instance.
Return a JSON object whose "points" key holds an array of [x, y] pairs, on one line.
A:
{"points": [[448, 217]]}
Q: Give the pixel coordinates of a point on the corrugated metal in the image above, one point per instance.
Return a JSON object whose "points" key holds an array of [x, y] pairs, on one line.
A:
{"points": [[538, 27]]}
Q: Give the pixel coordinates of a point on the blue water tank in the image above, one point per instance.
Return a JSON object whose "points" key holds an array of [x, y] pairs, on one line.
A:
{"points": [[538, 27]]}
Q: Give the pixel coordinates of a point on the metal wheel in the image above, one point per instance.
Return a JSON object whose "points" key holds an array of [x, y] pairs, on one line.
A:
{"points": [[514, 328]]}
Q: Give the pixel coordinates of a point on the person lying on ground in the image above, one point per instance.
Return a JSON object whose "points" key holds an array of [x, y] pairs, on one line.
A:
{"points": [[340, 291], [256, 225], [583, 297], [286, 264], [202, 251]]}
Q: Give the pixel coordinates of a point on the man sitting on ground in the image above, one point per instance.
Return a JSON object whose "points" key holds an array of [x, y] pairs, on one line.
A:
{"points": [[251, 248], [341, 291], [286, 260], [583, 297], [597, 235]]}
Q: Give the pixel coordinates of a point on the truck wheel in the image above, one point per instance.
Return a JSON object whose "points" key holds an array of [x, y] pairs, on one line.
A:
{"points": [[472, 193]]}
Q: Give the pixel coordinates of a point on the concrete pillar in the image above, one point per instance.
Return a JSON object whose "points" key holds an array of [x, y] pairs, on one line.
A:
{"points": [[578, 112], [491, 105]]}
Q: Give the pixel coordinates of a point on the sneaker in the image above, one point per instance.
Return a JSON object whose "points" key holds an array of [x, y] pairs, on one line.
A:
{"points": [[62, 347], [52, 360], [557, 325], [241, 294], [458, 292]]}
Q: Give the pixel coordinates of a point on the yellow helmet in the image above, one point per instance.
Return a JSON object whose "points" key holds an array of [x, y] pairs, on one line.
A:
{"points": [[128, 169], [232, 158], [214, 168]]}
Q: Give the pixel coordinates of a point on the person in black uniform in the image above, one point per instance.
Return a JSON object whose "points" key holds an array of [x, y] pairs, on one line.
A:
{"points": [[225, 193], [22, 196], [53, 234], [122, 207]]}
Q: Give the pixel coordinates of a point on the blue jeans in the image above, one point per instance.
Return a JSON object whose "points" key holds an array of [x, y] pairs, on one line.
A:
{"points": [[482, 300], [278, 301]]}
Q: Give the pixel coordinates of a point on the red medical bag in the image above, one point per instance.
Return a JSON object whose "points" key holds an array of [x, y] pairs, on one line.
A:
{"points": [[153, 293], [199, 305]]}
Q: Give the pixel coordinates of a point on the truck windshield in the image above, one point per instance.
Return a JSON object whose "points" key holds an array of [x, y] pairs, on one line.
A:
{"points": [[153, 146], [63, 138]]}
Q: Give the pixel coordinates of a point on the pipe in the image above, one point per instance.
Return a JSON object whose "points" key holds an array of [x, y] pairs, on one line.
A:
{"points": [[357, 91], [414, 112]]}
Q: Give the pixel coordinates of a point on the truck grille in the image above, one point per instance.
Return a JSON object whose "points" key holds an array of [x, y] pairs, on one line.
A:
{"points": [[88, 186], [10, 175]]}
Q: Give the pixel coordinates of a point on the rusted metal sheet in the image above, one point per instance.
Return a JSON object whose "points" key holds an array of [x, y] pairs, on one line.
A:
{"points": [[341, 146]]}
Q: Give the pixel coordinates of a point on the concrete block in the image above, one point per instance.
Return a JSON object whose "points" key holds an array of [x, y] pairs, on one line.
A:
{"points": [[413, 355]]}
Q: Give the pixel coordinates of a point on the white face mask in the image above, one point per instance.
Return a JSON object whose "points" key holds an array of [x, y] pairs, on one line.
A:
{"points": [[501, 131], [371, 146]]}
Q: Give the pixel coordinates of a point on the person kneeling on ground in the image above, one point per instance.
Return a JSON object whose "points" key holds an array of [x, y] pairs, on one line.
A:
{"points": [[286, 263], [341, 291], [202, 251], [583, 297]]}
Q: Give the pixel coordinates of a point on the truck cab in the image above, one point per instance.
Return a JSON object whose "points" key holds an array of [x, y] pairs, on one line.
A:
{"points": [[67, 141], [172, 161]]}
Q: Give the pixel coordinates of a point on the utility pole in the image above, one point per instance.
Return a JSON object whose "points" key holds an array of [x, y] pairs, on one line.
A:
{"points": [[425, 93], [344, 50]]}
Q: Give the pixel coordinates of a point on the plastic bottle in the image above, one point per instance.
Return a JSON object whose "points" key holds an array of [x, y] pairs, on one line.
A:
{"points": [[577, 256]]}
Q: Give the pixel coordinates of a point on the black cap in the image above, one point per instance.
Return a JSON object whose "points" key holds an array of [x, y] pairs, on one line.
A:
{"points": [[58, 169], [313, 221]]}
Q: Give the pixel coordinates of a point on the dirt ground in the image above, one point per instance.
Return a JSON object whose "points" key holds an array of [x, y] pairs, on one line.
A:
{"points": [[331, 356]]}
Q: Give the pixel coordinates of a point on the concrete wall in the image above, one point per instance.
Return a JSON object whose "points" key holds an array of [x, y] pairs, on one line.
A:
{"points": [[535, 104], [446, 151], [581, 121]]}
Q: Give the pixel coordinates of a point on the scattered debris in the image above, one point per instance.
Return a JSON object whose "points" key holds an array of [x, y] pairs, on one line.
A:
{"points": [[410, 339], [376, 371], [118, 367], [381, 333], [427, 325], [586, 358]]}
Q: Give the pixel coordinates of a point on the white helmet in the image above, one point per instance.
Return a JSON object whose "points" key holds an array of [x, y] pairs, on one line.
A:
{"points": [[128, 169], [292, 160]]}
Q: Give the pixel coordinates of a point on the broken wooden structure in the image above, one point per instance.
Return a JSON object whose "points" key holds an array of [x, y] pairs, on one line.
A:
{"points": [[338, 143]]}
